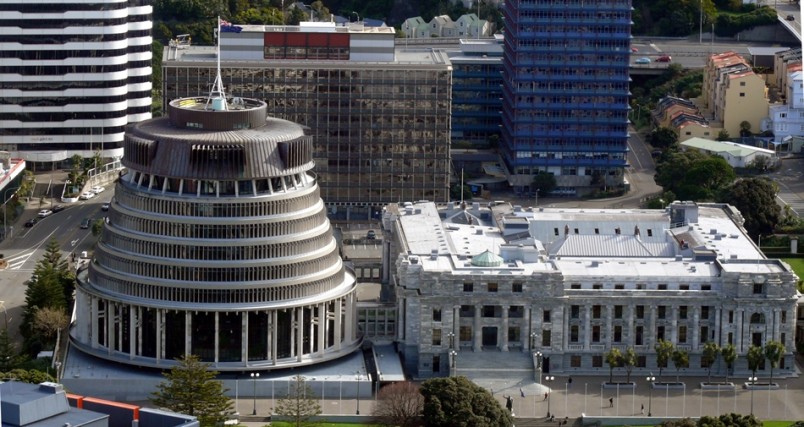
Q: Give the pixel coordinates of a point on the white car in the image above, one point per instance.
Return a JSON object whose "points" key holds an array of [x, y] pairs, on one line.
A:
{"points": [[45, 213], [86, 196], [97, 189]]}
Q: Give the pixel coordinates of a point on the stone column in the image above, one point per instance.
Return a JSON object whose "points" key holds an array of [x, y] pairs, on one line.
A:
{"points": [[322, 329], [504, 346], [299, 333], [609, 327], [400, 326], [274, 322], [674, 325], [650, 333], [93, 314], [244, 335], [526, 329], [456, 326], [217, 336], [740, 330], [160, 334], [339, 322], [629, 326], [477, 343], [349, 330], [566, 327], [776, 319], [132, 333], [188, 332], [696, 327], [587, 328]]}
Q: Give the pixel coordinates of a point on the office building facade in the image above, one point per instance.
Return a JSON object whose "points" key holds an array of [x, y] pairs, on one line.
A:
{"points": [[380, 116], [72, 76], [217, 244], [565, 93]]}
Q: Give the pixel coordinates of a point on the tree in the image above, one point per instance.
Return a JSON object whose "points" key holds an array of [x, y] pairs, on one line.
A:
{"points": [[729, 420], [629, 360], [662, 137], [681, 359], [9, 357], [760, 164], [399, 404], [723, 135], [300, 404], [191, 389], [774, 351], [664, 349], [543, 182], [51, 321], [754, 357], [692, 175], [97, 227], [745, 128], [755, 198], [711, 353], [456, 401], [729, 354], [613, 359]]}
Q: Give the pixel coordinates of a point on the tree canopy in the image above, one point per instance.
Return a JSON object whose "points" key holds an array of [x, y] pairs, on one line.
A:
{"points": [[756, 200], [300, 405], [399, 404], [456, 401], [544, 183], [693, 175], [191, 389]]}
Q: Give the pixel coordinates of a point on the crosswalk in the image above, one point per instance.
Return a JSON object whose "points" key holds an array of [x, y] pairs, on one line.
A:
{"points": [[17, 261]]}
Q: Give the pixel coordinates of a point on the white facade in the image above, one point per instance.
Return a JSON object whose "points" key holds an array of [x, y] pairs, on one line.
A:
{"points": [[787, 120], [573, 284], [73, 75]]}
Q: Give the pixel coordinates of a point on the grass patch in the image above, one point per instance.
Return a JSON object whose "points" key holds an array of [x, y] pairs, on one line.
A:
{"points": [[777, 423], [326, 424], [797, 264]]}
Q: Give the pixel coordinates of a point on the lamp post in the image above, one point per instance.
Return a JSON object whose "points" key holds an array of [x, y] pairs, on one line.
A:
{"points": [[532, 340], [357, 412], [5, 211], [753, 381], [453, 363], [358, 16], [539, 358], [548, 379], [254, 376], [650, 379]]}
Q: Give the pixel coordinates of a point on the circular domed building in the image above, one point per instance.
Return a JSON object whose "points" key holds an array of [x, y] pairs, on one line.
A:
{"points": [[217, 244]]}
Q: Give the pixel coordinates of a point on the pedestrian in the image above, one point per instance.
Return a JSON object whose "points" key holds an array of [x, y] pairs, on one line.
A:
{"points": [[552, 417], [545, 396], [569, 380], [509, 403], [611, 402], [642, 410]]}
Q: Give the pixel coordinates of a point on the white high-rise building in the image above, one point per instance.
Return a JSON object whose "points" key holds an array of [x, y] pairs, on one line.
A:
{"points": [[73, 73]]}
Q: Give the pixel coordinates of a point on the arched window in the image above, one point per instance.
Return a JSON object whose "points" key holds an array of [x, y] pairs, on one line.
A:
{"points": [[757, 318]]}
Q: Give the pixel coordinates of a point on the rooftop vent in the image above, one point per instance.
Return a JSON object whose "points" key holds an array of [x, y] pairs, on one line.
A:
{"points": [[414, 260]]}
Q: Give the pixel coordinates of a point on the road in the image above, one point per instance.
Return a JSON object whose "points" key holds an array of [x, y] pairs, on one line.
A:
{"points": [[790, 178], [26, 247]]}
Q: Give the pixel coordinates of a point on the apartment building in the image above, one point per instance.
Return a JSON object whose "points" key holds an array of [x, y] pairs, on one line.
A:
{"points": [[683, 117]]}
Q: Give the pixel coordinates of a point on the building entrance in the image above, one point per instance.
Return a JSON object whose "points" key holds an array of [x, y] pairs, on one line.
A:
{"points": [[489, 336]]}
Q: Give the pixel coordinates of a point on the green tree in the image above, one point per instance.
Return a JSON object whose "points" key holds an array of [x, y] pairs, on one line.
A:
{"points": [[399, 404], [662, 137], [664, 350], [300, 405], [613, 359], [543, 182], [754, 357], [9, 356], [97, 227], [191, 389], [723, 135], [745, 128], [456, 401], [456, 194], [727, 420], [729, 354], [30, 376], [681, 359], [710, 355], [629, 360], [755, 198], [774, 351]]}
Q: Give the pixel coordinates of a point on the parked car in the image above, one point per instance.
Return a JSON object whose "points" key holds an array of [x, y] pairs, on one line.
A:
{"points": [[664, 58], [57, 208], [30, 222], [634, 50], [86, 196], [643, 60], [45, 213], [790, 18], [371, 235], [85, 223], [105, 206], [97, 189]]}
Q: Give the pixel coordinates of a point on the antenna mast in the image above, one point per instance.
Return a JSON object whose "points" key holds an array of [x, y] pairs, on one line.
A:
{"points": [[217, 95]]}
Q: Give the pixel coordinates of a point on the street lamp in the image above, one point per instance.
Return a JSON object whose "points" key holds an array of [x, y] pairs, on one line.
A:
{"points": [[357, 412], [5, 211], [548, 379], [650, 379], [539, 358], [453, 363], [254, 376], [532, 340], [753, 382]]}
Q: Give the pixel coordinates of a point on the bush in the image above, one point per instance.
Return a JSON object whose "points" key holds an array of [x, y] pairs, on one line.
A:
{"points": [[730, 25]]}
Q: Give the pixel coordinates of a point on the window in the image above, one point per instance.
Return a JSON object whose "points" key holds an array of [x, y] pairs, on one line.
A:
{"points": [[546, 342], [640, 286], [618, 333], [436, 315], [638, 338], [596, 333], [650, 232], [596, 311], [731, 338], [618, 312], [660, 333], [705, 312], [661, 312], [516, 287], [683, 287], [574, 333], [597, 231], [465, 333], [597, 361], [642, 362], [682, 312], [513, 334], [682, 334], [468, 287], [783, 316], [706, 287], [742, 94], [436, 336], [546, 316], [731, 316], [576, 231], [619, 286], [662, 287], [555, 231], [704, 334], [436, 363], [575, 286], [758, 318], [492, 287], [575, 311], [758, 288], [575, 361], [488, 311], [640, 312], [742, 83], [597, 286]]}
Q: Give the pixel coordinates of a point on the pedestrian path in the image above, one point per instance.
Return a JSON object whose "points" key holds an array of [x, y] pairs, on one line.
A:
{"points": [[17, 261]]}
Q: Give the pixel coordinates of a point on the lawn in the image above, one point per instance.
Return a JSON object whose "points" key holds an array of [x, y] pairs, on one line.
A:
{"points": [[797, 264], [325, 424]]}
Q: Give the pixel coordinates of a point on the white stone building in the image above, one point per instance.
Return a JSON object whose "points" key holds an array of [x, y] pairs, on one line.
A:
{"points": [[787, 120], [574, 283]]}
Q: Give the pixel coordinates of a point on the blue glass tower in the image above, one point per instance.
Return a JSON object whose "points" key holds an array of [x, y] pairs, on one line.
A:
{"points": [[565, 92]]}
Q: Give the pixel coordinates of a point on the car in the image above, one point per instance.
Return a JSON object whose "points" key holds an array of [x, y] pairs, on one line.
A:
{"points": [[790, 18], [371, 235], [30, 222], [656, 153], [664, 58], [57, 208], [86, 196], [97, 189], [634, 50], [85, 223], [105, 206], [45, 213], [643, 60]]}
